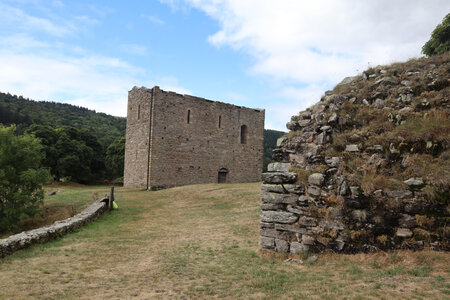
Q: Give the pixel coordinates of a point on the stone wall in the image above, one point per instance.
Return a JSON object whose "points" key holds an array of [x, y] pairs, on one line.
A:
{"points": [[366, 167], [48, 233], [190, 151], [295, 218]]}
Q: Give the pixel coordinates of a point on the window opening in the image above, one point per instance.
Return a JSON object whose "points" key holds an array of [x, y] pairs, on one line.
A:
{"points": [[220, 121], [244, 134], [189, 116], [139, 111]]}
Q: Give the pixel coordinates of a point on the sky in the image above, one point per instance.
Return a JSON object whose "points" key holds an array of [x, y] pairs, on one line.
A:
{"points": [[280, 55]]}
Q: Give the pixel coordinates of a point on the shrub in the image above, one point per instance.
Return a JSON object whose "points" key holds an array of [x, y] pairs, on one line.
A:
{"points": [[439, 42], [21, 178]]}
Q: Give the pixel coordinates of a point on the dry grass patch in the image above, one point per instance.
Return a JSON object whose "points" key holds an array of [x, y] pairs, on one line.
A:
{"points": [[201, 242]]}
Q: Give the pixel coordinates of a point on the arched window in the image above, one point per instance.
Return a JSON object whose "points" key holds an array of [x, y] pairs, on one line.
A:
{"points": [[244, 134]]}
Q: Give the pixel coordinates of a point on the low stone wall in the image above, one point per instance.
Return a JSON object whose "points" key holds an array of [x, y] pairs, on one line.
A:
{"points": [[57, 229], [295, 218]]}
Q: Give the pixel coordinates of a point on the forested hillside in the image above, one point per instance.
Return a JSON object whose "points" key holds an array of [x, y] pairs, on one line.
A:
{"points": [[270, 142], [24, 112]]}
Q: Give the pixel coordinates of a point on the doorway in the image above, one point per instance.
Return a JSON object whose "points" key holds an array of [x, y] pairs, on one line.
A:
{"points": [[223, 175]]}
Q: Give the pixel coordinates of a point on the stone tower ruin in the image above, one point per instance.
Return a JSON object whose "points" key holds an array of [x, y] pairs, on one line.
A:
{"points": [[174, 140]]}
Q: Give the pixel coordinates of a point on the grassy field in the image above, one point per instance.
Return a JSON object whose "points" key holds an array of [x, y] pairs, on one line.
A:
{"points": [[69, 201], [202, 242]]}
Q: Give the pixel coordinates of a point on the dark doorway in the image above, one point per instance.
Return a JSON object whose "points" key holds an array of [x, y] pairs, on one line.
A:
{"points": [[223, 175]]}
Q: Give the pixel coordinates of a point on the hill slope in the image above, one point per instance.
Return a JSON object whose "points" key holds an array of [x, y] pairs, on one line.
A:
{"points": [[24, 112]]}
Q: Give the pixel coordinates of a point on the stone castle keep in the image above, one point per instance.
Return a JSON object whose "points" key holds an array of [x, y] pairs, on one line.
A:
{"points": [[174, 140]]}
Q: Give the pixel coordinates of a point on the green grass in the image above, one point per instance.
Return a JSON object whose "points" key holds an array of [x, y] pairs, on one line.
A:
{"points": [[201, 242]]}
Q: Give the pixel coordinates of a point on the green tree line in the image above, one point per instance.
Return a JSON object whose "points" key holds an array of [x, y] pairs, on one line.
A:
{"points": [[25, 112]]}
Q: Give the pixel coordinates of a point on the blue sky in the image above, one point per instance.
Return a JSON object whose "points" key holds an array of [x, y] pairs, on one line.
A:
{"points": [[278, 55]]}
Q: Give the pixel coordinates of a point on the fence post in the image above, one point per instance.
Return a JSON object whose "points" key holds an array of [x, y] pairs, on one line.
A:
{"points": [[111, 198]]}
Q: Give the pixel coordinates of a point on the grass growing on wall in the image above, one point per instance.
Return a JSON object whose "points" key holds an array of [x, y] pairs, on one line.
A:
{"points": [[201, 241]]}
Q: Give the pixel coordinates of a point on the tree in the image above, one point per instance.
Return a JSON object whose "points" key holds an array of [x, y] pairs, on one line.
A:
{"points": [[270, 143], [48, 137], [439, 42], [115, 158], [21, 177], [71, 152]]}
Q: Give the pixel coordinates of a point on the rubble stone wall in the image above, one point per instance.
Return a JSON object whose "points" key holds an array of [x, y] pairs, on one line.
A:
{"points": [[59, 228], [294, 219]]}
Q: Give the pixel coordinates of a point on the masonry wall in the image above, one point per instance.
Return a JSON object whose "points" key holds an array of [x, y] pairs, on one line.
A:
{"points": [[189, 152], [137, 137], [295, 219]]}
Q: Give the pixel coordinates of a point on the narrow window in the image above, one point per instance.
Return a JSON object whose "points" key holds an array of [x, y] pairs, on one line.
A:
{"points": [[243, 134], [220, 121], [189, 116], [139, 111]]}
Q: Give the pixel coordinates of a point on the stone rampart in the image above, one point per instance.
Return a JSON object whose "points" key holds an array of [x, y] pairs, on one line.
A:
{"points": [[297, 217]]}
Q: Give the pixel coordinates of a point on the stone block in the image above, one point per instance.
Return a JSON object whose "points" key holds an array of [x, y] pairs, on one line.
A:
{"points": [[270, 232], [283, 188], [291, 228], [304, 200], [316, 179], [266, 225], [297, 247], [415, 182], [296, 209], [332, 162], [267, 242], [403, 233], [333, 118], [314, 191], [308, 240], [271, 206], [307, 221], [281, 246], [279, 177], [278, 217], [276, 198], [400, 194], [278, 167], [351, 148]]}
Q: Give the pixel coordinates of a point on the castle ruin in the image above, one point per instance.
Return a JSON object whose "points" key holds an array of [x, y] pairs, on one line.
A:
{"points": [[174, 140]]}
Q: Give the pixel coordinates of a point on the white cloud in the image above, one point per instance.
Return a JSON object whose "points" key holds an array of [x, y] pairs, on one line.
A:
{"points": [[95, 82], [18, 18], [59, 71], [311, 44]]}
